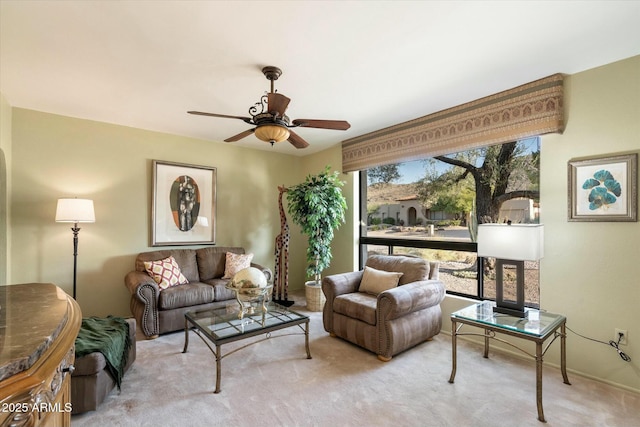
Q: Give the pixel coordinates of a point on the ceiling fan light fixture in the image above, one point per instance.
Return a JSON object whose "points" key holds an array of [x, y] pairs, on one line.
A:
{"points": [[272, 133]]}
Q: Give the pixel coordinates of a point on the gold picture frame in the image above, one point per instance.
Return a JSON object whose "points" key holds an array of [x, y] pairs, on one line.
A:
{"points": [[603, 188], [183, 204]]}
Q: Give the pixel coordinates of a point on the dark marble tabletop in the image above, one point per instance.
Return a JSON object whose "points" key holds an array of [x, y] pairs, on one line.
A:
{"points": [[31, 317]]}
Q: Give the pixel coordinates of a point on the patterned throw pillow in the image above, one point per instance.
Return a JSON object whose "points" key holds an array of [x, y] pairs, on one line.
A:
{"points": [[376, 281], [235, 263], [166, 272]]}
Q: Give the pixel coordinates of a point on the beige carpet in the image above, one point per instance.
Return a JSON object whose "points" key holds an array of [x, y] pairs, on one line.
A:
{"points": [[273, 384]]}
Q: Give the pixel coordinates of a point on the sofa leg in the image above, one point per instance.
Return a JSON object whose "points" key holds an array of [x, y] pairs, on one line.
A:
{"points": [[383, 358], [152, 337], [331, 334]]}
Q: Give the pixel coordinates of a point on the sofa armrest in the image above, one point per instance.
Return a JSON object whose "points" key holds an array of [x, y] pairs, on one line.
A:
{"points": [[145, 291], [405, 299], [266, 270], [135, 280]]}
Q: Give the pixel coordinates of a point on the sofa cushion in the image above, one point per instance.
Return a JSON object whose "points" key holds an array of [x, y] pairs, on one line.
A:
{"points": [[166, 272], [211, 261], [357, 305], [235, 263], [186, 259], [192, 293], [376, 281], [412, 267], [220, 289]]}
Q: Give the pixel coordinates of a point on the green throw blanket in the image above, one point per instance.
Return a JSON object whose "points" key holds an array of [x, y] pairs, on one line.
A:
{"points": [[110, 337]]}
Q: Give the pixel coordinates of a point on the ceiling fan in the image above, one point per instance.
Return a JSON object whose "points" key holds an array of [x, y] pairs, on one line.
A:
{"points": [[271, 123]]}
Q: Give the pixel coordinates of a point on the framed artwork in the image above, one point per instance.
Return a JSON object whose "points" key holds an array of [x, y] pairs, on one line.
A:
{"points": [[604, 188], [184, 204]]}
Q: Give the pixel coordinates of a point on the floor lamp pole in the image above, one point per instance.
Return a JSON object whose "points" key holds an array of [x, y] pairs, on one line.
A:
{"points": [[75, 230]]}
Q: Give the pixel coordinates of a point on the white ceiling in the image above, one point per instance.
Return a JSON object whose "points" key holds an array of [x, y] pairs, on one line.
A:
{"points": [[374, 63]]}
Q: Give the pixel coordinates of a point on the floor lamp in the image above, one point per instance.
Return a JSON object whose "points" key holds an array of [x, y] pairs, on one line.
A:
{"points": [[75, 211], [511, 245]]}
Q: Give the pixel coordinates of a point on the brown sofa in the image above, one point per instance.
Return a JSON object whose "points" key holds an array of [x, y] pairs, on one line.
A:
{"points": [[159, 312], [91, 381], [393, 320]]}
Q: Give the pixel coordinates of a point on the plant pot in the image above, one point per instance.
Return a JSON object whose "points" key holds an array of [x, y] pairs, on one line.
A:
{"points": [[314, 295]]}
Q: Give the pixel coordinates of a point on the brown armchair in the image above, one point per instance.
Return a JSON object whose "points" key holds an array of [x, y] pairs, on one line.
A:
{"points": [[393, 320]]}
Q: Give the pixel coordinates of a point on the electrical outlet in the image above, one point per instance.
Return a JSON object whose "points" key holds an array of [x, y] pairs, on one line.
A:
{"points": [[623, 340]]}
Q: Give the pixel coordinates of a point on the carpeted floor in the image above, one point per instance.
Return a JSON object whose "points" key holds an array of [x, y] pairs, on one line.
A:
{"points": [[272, 383]]}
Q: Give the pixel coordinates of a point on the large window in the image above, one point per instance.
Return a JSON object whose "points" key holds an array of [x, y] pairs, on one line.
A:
{"points": [[431, 208]]}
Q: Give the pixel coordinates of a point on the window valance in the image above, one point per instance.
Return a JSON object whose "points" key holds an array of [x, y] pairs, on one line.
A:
{"points": [[531, 109]]}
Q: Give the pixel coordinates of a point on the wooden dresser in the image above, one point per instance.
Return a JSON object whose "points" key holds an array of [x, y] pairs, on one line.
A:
{"points": [[39, 323]]}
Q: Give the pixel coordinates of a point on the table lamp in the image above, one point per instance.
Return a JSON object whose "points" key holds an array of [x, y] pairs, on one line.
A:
{"points": [[75, 211], [511, 245]]}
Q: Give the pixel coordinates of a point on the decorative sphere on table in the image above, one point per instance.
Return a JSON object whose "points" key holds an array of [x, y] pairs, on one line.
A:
{"points": [[249, 279]]}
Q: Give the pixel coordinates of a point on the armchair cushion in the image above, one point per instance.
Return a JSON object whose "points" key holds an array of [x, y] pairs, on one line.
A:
{"points": [[357, 305], [376, 281]]}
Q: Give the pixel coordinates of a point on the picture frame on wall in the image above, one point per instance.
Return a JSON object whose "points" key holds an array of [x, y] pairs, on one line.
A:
{"points": [[603, 188], [183, 204]]}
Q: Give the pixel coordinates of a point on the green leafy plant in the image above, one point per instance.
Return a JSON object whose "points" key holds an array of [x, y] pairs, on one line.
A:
{"points": [[318, 207]]}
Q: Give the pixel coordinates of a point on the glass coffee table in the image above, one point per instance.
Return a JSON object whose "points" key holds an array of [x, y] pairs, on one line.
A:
{"points": [[538, 326], [223, 325]]}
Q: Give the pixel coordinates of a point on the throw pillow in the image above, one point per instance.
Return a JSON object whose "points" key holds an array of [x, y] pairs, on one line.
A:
{"points": [[236, 262], [166, 272], [376, 281]]}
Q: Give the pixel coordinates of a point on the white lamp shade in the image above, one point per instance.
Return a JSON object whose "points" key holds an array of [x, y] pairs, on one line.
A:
{"points": [[75, 210], [519, 242]]}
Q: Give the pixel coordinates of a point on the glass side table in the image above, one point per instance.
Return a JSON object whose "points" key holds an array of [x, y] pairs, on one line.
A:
{"points": [[538, 326]]}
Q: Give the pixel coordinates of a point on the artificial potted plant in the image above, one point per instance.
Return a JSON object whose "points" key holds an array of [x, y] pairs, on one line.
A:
{"points": [[317, 206]]}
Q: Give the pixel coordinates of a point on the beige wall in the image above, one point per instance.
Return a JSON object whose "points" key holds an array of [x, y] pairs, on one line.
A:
{"points": [[591, 271]]}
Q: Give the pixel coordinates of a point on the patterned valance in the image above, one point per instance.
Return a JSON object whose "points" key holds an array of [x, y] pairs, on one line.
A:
{"points": [[528, 110]]}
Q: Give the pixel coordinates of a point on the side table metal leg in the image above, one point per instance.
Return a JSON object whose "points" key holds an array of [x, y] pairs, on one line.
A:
{"points": [[486, 344], [563, 353], [454, 334], [306, 339], [539, 382], [218, 368]]}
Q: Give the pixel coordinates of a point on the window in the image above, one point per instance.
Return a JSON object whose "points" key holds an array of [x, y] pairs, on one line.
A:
{"points": [[430, 208]]}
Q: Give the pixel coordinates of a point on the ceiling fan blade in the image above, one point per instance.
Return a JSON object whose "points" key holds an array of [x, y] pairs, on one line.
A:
{"points": [[240, 135], [322, 124], [296, 141], [224, 116], [277, 103]]}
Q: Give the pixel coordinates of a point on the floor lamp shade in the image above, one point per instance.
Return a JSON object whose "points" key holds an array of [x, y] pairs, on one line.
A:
{"points": [[75, 210], [511, 245]]}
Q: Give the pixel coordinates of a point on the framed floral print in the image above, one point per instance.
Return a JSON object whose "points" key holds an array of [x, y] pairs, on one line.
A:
{"points": [[184, 204], [604, 188]]}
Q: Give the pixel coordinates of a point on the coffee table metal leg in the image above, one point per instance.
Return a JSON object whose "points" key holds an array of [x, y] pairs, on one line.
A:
{"points": [[539, 382], [454, 334], [186, 335], [218, 368]]}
